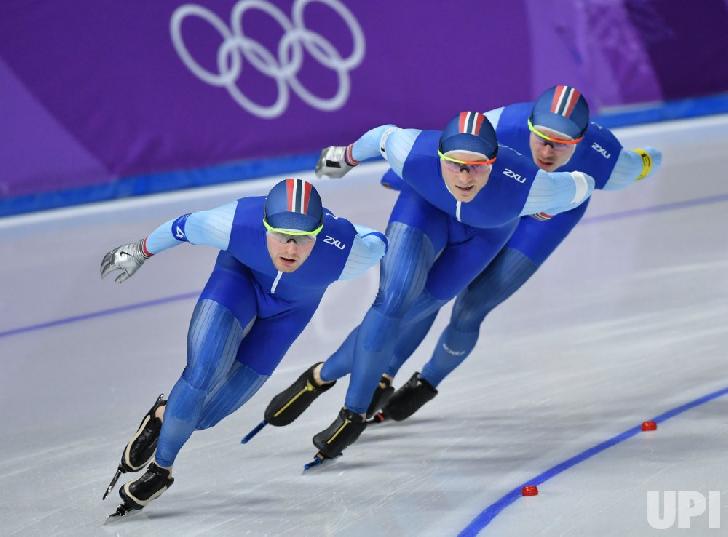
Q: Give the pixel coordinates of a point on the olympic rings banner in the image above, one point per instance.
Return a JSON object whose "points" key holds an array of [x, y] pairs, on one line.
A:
{"points": [[96, 91]]}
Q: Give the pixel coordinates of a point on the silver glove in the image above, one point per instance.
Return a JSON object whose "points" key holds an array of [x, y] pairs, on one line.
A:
{"points": [[332, 162], [126, 259]]}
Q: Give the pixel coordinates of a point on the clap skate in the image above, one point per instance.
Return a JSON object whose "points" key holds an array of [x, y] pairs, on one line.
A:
{"points": [[147, 487], [140, 448], [381, 396], [407, 400], [285, 407], [333, 440]]}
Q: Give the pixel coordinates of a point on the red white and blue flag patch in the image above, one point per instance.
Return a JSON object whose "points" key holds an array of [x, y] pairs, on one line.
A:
{"points": [[471, 122], [299, 194], [564, 101]]}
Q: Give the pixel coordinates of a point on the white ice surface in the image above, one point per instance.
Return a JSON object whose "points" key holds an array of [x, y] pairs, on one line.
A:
{"points": [[628, 319]]}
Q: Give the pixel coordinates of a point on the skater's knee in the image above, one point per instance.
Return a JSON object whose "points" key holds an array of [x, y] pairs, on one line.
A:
{"points": [[404, 273], [212, 344], [379, 330], [204, 369], [474, 304], [467, 316], [198, 378], [457, 344], [394, 299], [207, 422], [390, 308]]}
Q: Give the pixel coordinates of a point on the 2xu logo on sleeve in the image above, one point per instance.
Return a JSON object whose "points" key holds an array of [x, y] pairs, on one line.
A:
{"points": [[283, 64]]}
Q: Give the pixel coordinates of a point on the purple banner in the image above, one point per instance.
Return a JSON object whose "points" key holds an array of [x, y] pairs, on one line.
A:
{"points": [[95, 90]]}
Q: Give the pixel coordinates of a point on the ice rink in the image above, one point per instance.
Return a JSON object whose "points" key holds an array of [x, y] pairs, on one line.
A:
{"points": [[626, 322]]}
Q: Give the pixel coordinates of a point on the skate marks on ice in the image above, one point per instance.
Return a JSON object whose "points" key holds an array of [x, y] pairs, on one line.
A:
{"points": [[626, 321]]}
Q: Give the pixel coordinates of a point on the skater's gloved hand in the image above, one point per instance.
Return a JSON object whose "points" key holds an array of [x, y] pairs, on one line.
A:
{"points": [[335, 161], [126, 259], [651, 160]]}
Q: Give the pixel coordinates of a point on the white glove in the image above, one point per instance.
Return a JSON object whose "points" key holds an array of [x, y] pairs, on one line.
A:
{"points": [[126, 258], [334, 163]]}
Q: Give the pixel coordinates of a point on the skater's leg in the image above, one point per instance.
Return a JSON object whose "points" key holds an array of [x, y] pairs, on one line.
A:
{"points": [[410, 337], [465, 259], [529, 246], [403, 276], [468, 251], [259, 354], [407, 343], [213, 341], [226, 308], [412, 225], [240, 384], [503, 277], [339, 363]]}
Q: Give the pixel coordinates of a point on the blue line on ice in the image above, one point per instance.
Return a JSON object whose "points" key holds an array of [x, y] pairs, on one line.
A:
{"points": [[708, 200]]}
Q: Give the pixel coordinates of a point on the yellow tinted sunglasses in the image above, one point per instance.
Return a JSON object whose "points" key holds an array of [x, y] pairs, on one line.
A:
{"points": [[466, 162], [540, 134], [292, 232]]}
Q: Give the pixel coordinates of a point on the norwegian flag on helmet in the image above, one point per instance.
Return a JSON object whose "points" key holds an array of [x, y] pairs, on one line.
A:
{"points": [[564, 101], [470, 122], [298, 193]]}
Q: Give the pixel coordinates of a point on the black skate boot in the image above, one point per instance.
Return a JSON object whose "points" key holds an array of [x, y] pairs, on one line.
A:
{"points": [[285, 407], [140, 448], [381, 395], [147, 487], [343, 432], [409, 398]]}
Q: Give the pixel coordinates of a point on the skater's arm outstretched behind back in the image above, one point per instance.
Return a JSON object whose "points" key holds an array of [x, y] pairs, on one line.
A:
{"points": [[556, 188], [211, 228], [388, 141]]}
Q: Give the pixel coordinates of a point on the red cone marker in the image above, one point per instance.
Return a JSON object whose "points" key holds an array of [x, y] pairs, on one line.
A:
{"points": [[649, 426]]}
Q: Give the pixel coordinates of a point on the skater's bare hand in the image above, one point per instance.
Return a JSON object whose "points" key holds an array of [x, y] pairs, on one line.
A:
{"points": [[125, 259]]}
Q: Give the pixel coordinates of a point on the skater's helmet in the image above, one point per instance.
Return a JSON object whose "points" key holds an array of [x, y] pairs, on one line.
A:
{"points": [[470, 132], [293, 206], [562, 110]]}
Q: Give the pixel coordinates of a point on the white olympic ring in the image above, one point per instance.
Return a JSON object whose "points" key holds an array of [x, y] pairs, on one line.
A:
{"points": [[282, 68]]}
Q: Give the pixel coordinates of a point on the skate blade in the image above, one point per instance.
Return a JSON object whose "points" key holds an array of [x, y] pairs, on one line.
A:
{"points": [[379, 417], [248, 437], [114, 479], [318, 463], [123, 511], [383, 401]]}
